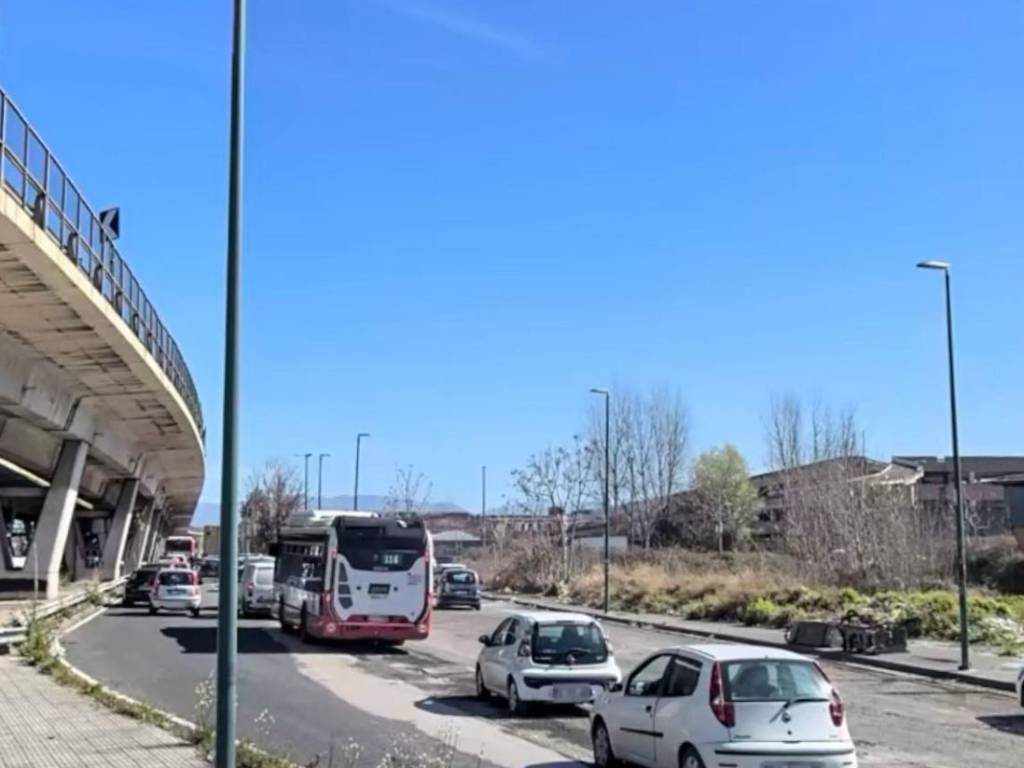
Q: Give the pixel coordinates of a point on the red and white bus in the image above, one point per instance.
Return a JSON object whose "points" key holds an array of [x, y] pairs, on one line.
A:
{"points": [[181, 546], [354, 576]]}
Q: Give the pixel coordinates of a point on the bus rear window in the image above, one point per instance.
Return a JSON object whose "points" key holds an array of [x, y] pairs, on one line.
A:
{"points": [[382, 553]]}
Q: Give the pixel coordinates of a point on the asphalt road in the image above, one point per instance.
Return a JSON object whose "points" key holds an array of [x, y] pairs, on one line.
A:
{"points": [[314, 699]]}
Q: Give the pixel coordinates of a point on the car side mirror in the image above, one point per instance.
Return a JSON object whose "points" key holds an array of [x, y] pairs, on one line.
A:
{"points": [[616, 688], [484, 639]]}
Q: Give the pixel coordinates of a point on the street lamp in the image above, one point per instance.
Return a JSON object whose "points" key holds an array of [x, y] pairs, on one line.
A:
{"points": [[483, 491], [355, 494], [227, 607], [607, 433], [961, 541], [319, 479], [305, 480]]}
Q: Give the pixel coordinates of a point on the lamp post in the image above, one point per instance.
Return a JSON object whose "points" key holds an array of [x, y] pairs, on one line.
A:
{"points": [[355, 493], [483, 491], [227, 607], [305, 480], [607, 464], [319, 479], [961, 539]]}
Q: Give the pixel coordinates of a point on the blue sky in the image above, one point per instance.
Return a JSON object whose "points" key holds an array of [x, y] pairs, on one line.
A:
{"points": [[462, 215]]}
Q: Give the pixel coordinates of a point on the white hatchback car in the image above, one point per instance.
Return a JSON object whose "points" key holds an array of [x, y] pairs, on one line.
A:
{"points": [[176, 589], [704, 706], [558, 658]]}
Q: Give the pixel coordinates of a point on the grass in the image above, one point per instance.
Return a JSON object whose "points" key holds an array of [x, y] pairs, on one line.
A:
{"points": [[760, 590]]}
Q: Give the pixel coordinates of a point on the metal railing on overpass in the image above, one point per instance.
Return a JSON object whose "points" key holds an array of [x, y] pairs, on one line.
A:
{"points": [[31, 173]]}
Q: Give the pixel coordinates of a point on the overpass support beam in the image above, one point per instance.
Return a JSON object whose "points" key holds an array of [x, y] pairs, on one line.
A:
{"points": [[153, 545], [55, 517], [137, 547], [117, 535]]}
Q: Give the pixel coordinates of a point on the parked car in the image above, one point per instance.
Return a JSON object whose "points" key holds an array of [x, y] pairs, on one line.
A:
{"points": [[707, 705], [1020, 686], [139, 584], [457, 587], [256, 589], [176, 589], [559, 658]]}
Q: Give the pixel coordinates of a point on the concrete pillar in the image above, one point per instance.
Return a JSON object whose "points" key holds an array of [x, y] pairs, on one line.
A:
{"points": [[152, 546], [117, 535], [55, 517], [5, 550], [137, 548]]}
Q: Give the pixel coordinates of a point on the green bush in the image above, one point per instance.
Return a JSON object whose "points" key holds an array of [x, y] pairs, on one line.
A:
{"points": [[760, 611]]}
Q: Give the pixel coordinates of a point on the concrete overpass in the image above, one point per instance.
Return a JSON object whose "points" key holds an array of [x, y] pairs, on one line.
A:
{"points": [[101, 429]]}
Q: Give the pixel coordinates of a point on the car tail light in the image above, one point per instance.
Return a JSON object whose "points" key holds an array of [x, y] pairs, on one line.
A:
{"points": [[724, 711], [836, 710], [524, 649]]}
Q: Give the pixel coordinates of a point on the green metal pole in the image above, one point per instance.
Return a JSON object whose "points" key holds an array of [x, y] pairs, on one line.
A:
{"points": [[961, 536], [227, 609]]}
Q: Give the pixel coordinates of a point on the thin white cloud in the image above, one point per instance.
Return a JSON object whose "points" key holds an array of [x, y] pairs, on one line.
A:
{"points": [[464, 26]]}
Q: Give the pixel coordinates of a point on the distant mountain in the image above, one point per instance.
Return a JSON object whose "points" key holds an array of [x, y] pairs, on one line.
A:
{"points": [[208, 512], [372, 503]]}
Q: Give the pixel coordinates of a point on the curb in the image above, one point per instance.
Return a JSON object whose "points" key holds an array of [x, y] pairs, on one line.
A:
{"points": [[837, 656], [181, 728], [14, 635]]}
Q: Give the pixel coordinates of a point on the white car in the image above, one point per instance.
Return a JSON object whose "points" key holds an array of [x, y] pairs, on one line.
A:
{"points": [[558, 658], [176, 589], [1020, 686], [705, 706]]}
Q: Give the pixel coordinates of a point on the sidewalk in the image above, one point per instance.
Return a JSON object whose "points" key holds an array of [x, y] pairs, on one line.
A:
{"points": [[929, 658], [44, 725]]}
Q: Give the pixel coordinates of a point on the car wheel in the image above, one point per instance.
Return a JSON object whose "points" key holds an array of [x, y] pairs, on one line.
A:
{"points": [[285, 626], [690, 759], [152, 610], [604, 757], [304, 628], [481, 687], [516, 706], [127, 603], [195, 613]]}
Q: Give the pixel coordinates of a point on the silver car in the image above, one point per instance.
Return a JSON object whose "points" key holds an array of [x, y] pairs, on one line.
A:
{"points": [[256, 588]]}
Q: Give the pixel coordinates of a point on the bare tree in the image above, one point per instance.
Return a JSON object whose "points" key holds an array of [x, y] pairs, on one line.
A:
{"points": [[273, 494], [410, 491], [558, 481], [847, 518]]}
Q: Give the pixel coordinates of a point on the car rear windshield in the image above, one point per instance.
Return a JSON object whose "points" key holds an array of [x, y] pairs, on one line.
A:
{"points": [[141, 577], [568, 642], [460, 577], [263, 577], [774, 680], [175, 578]]}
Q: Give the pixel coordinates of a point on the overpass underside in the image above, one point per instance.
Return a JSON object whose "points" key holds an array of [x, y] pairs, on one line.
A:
{"points": [[101, 445]]}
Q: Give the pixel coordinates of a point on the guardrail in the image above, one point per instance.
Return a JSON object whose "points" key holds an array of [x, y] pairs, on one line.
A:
{"points": [[15, 635], [31, 174]]}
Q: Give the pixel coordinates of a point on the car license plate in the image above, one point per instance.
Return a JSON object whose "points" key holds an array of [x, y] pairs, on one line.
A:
{"points": [[794, 764], [175, 591], [378, 619], [572, 693], [379, 590]]}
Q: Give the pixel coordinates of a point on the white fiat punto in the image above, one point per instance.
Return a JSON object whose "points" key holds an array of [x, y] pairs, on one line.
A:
{"points": [[705, 706], [556, 658]]}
